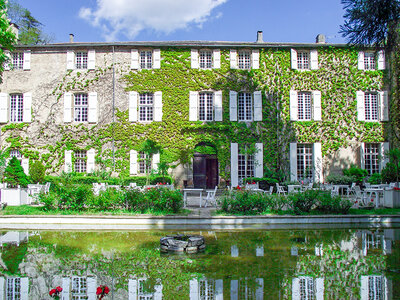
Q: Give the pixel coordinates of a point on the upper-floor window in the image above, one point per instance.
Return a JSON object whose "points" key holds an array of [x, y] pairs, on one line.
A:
{"points": [[13, 288], [205, 106], [244, 59], [18, 60], [81, 107], [371, 60], [205, 59], [16, 108], [81, 60], [245, 106], [305, 106], [80, 162], [16, 153], [304, 59], [372, 106], [146, 107], [145, 59]]}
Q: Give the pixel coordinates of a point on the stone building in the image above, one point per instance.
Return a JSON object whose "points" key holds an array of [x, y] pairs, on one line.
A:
{"points": [[221, 111]]}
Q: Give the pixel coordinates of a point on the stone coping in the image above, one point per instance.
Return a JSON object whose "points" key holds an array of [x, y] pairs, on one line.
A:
{"points": [[91, 222]]}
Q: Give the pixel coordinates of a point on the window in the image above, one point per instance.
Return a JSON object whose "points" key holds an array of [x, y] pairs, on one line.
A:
{"points": [[16, 108], [304, 106], [207, 289], [369, 61], [304, 162], [303, 60], [371, 107], [244, 60], [205, 59], [17, 60], [81, 60], [79, 288], [16, 153], [206, 105], [13, 288], [307, 288], [145, 163], [80, 161], [245, 107], [371, 158], [146, 59], [146, 107], [81, 107], [245, 163]]}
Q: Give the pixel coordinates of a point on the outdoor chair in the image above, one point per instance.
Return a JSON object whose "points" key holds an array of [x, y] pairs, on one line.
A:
{"points": [[210, 198], [280, 190], [335, 190], [360, 199], [46, 187], [269, 192]]}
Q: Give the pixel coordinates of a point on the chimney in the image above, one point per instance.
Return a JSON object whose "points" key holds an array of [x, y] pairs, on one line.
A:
{"points": [[71, 37], [260, 37], [15, 30], [320, 39]]}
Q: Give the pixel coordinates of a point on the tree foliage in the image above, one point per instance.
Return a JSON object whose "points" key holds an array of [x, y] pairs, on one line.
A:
{"points": [[14, 174], [371, 22], [7, 38]]}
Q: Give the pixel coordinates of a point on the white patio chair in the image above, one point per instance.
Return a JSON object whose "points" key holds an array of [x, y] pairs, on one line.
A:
{"points": [[269, 192], [210, 198], [280, 190], [46, 187], [335, 190]]}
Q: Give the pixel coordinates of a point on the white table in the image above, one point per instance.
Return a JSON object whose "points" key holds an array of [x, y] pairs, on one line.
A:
{"points": [[294, 188], [377, 192], [192, 191], [342, 188]]}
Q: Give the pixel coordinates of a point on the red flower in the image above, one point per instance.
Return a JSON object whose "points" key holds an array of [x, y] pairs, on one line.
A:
{"points": [[102, 290], [372, 200], [59, 289], [356, 202], [99, 290], [253, 182], [52, 292], [106, 290], [396, 189]]}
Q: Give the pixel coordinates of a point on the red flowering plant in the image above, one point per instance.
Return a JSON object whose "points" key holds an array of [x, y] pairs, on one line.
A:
{"points": [[396, 189], [102, 291], [55, 293]]}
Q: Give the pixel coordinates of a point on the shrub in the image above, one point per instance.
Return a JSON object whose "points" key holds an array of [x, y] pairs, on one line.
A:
{"points": [[357, 173], [243, 202], [332, 205], [339, 179], [14, 174], [375, 178], [160, 179], [303, 202], [37, 172]]}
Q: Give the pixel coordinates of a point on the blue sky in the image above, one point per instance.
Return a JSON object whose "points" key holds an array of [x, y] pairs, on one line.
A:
{"points": [[176, 20]]}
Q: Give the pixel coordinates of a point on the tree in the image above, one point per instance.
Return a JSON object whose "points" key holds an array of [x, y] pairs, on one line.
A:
{"points": [[7, 38], [30, 29], [149, 148], [14, 174]]}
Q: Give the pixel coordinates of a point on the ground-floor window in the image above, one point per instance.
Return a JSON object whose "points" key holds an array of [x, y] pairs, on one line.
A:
{"points": [[80, 161], [79, 288], [371, 158], [304, 161], [13, 288], [245, 163], [144, 163]]}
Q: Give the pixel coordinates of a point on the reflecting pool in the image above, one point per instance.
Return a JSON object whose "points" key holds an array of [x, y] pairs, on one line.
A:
{"points": [[263, 264]]}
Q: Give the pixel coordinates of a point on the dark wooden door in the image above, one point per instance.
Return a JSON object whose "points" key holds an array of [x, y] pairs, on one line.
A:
{"points": [[211, 173], [199, 171]]}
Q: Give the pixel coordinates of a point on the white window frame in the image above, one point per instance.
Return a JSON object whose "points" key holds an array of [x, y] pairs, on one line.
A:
{"points": [[16, 108], [371, 106], [17, 60], [371, 60], [80, 163], [206, 106], [244, 59], [245, 107], [146, 59], [246, 164], [305, 162], [205, 59], [305, 106], [79, 287], [81, 60], [372, 157], [238, 61], [303, 60], [81, 107], [142, 164], [13, 288], [146, 107]]}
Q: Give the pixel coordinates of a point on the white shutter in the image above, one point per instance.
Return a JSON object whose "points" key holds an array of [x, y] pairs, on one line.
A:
{"points": [[233, 59], [134, 59], [194, 289], [158, 106], [65, 288], [293, 106], [219, 289], [313, 59], [362, 155], [91, 288], [92, 111], [257, 106], [259, 164], [293, 57], [155, 161], [364, 288], [27, 60], [90, 156], [319, 289], [25, 165], [218, 106], [70, 60], [24, 288], [361, 60], [259, 250], [296, 289], [194, 58], [360, 106], [317, 105], [216, 59], [384, 159], [260, 288], [8, 62], [293, 161], [27, 113], [91, 59], [234, 164], [317, 162], [157, 59], [384, 106], [193, 105], [233, 106], [132, 289], [3, 108], [68, 161], [68, 107], [234, 290], [381, 60], [255, 59], [158, 292], [133, 106], [133, 165], [2, 285]]}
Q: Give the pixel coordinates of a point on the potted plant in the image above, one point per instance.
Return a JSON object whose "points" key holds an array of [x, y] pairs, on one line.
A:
{"points": [[17, 181]]}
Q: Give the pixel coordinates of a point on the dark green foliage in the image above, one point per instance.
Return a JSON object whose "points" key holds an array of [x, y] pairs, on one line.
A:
{"points": [[7, 38], [14, 174], [339, 179], [37, 172], [391, 172], [375, 178], [332, 205], [303, 202], [356, 172], [243, 202]]}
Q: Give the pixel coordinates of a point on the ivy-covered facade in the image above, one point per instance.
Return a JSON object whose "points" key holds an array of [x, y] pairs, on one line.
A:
{"points": [[221, 111]]}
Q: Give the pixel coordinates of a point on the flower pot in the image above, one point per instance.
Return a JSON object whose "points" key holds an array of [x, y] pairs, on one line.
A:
{"points": [[391, 198], [14, 197]]}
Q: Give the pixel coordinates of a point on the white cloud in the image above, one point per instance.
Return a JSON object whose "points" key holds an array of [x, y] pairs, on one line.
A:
{"points": [[129, 17]]}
